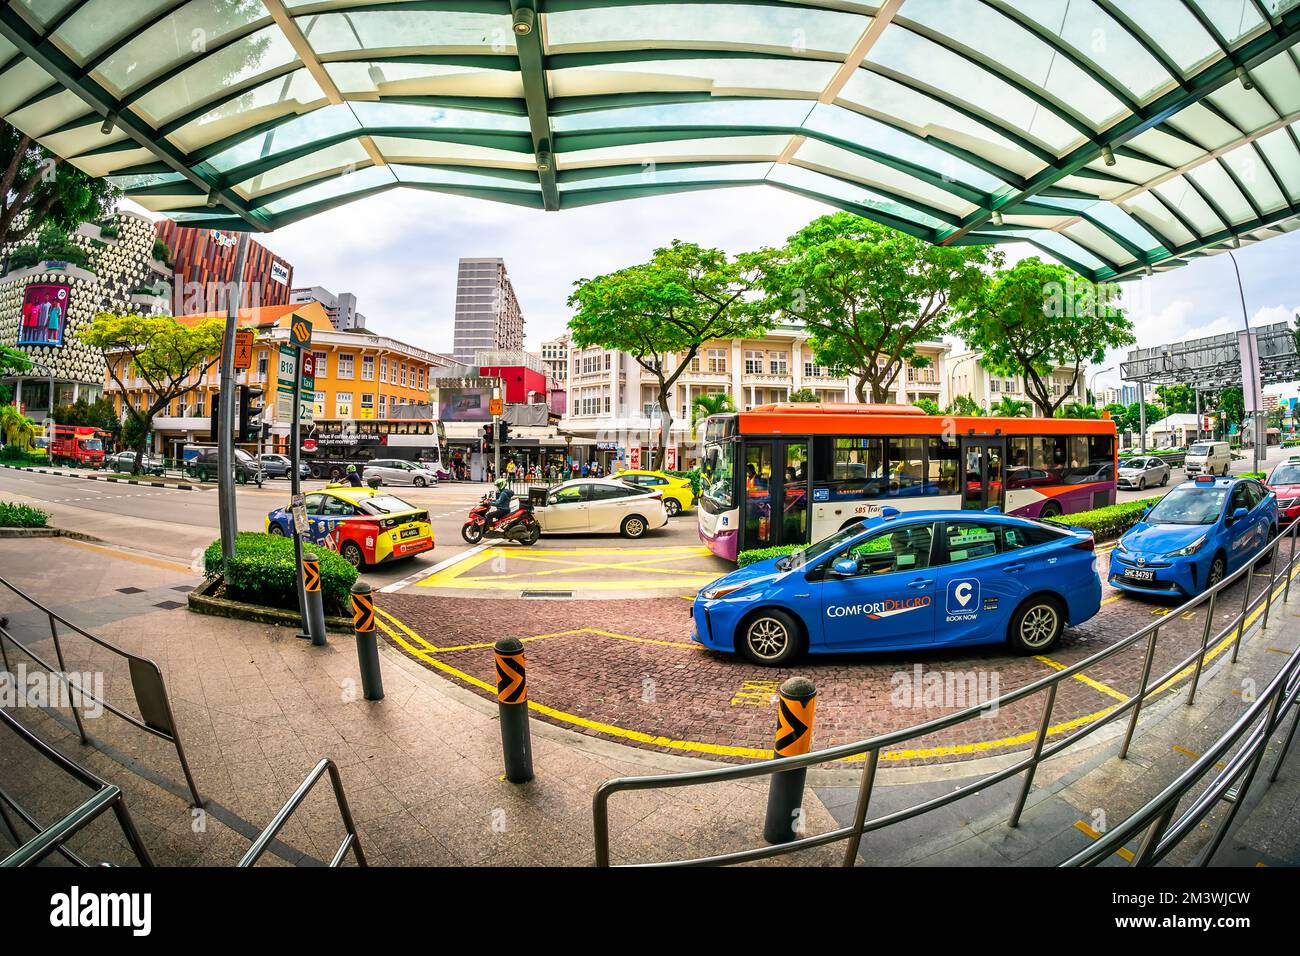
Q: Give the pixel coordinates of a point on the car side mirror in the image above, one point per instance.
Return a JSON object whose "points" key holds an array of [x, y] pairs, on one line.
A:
{"points": [[844, 567], [1145, 512], [1239, 514]]}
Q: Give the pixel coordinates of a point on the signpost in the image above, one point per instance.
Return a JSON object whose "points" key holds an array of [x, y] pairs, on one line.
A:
{"points": [[298, 355], [244, 348]]}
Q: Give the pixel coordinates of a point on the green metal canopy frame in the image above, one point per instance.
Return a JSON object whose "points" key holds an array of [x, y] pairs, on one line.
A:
{"points": [[1118, 136]]}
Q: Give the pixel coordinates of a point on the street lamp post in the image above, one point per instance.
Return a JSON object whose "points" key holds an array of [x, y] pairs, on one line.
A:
{"points": [[226, 418]]}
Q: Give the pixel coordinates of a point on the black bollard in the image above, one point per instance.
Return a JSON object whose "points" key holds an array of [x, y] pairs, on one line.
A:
{"points": [[512, 705], [363, 623], [315, 602], [794, 725]]}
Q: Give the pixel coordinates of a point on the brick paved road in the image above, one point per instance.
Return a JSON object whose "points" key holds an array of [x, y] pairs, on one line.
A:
{"points": [[625, 669]]}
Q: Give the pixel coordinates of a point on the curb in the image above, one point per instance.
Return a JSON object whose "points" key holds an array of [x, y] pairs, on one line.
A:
{"points": [[181, 486], [201, 602], [48, 533]]}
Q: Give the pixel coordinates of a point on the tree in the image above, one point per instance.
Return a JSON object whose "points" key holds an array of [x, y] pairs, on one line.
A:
{"points": [[964, 405], [162, 351], [929, 406], [1008, 407], [37, 187], [1178, 399], [97, 414], [865, 291], [1117, 413], [51, 242], [1036, 317], [1077, 410], [12, 361], [1233, 406], [662, 311], [804, 395], [705, 405], [16, 428]]}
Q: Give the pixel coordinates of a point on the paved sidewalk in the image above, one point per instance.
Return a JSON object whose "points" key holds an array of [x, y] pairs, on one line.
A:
{"points": [[257, 708]]}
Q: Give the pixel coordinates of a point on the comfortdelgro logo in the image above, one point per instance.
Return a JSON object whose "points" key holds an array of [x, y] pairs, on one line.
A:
{"points": [[880, 609], [75, 908]]}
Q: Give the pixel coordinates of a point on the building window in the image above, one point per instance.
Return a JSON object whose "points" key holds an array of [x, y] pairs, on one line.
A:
{"points": [[718, 361], [753, 363], [368, 368], [383, 369], [342, 404], [261, 364], [383, 406], [403, 373], [421, 378], [392, 374], [322, 364], [778, 363], [318, 401], [345, 364], [367, 405]]}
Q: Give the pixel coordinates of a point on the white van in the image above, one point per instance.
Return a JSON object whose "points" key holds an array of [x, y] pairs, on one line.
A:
{"points": [[1211, 457]]}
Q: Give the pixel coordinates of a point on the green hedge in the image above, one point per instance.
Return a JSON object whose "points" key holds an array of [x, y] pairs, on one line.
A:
{"points": [[1259, 475], [262, 572], [21, 516], [13, 455], [1109, 522], [763, 554]]}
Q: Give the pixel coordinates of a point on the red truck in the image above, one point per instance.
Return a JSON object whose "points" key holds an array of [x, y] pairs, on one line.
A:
{"points": [[79, 444]]}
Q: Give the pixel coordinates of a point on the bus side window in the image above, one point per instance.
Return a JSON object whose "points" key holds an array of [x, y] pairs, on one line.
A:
{"points": [[943, 465]]}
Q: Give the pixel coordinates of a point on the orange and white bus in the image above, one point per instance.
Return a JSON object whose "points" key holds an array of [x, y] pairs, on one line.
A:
{"points": [[795, 473]]}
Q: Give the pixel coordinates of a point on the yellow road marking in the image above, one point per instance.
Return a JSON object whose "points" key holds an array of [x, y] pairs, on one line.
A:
{"points": [[456, 576], [1123, 853], [1193, 755], [127, 555], [1094, 684]]}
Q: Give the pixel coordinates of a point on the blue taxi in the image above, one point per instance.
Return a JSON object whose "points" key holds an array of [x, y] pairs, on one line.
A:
{"points": [[1195, 536], [896, 582]]}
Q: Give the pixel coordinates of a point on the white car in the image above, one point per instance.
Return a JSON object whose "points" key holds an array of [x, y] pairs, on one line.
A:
{"points": [[394, 471], [596, 505], [1141, 473]]}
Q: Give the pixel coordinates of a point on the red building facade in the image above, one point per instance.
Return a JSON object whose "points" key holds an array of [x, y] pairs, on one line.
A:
{"points": [[204, 266], [523, 385]]}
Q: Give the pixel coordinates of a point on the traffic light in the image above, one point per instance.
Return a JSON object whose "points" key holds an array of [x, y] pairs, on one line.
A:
{"points": [[503, 432], [488, 437], [250, 413], [214, 428]]}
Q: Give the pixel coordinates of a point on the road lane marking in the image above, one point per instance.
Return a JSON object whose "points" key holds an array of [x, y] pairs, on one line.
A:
{"points": [[1084, 678], [1124, 853]]}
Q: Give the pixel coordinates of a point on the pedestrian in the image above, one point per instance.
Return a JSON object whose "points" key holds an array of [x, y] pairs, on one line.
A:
{"points": [[511, 467], [354, 479]]}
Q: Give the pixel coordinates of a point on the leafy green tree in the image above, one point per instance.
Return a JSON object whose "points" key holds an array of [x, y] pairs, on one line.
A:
{"points": [[865, 291], [169, 355], [1233, 406], [16, 428], [1008, 407], [1117, 413], [929, 406], [1077, 410], [39, 188], [964, 405], [1178, 399], [804, 395], [705, 405], [52, 242], [1036, 317], [97, 414], [662, 311]]}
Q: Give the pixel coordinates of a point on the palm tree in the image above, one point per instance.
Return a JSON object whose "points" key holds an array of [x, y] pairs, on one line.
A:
{"points": [[17, 428], [705, 405], [1008, 407], [1077, 410]]}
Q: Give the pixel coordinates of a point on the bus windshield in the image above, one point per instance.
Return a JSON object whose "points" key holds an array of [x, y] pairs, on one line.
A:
{"points": [[717, 467]]}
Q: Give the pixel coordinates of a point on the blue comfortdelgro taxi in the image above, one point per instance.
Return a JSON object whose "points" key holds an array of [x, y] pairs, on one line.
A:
{"points": [[895, 582], [1195, 536]]}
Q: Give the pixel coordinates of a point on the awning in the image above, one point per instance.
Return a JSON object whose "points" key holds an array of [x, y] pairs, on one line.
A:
{"points": [[1119, 136]]}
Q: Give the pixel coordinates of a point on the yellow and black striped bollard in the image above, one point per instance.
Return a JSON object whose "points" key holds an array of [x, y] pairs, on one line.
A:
{"points": [[512, 704], [794, 727], [315, 603], [363, 623]]}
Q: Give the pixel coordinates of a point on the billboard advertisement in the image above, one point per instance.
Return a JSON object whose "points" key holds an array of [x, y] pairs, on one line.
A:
{"points": [[464, 404], [45, 313]]}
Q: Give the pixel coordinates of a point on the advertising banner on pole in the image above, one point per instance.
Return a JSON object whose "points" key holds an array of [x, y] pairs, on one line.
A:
{"points": [[1252, 390]]}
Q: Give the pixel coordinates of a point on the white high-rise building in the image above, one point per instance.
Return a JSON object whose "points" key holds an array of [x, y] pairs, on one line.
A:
{"points": [[341, 308], [488, 317]]}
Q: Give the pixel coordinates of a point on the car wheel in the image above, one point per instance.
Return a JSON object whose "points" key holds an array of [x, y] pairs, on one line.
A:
{"points": [[1036, 626], [1272, 533], [770, 637], [352, 554], [419, 482], [1142, 484], [634, 527], [1165, 480], [277, 531], [673, 507], [1050, 509], [1218, 568]]}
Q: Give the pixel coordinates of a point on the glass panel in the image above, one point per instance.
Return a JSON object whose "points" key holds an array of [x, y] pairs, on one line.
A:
{"points": [[678, 25], [1280, 148], [1154, 213], [785, 114], [651, 175], [751, 148], [1245, 109], [1086, 234], [1218, 185], [455, 177], [824, 185], [422, 79], [301, 131], [362, 179], [21, 82], [180, 38], [1203, 126], [1063, 247], [1112, 218], [962, 81], [45, 11], [404, 149], [297, 93], [1279, 79], [758, 495], [1000, 39], [140, 180], [1163, 146], [423, 30], [1175, 29], [794, 511], [720, 77], [380, 115], [215, 73], [841, 162], [88, 31], [1233, 19], [1249, 170], [337, 157]]}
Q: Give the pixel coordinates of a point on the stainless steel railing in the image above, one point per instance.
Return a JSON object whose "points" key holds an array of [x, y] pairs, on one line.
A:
{"points": [[147, 682], [871, 748], [350, 841]]}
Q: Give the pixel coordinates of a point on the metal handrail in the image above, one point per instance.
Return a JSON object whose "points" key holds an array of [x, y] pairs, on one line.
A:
{"points": [[47, 840], [350, 841], [142, 670], [871, 748]]}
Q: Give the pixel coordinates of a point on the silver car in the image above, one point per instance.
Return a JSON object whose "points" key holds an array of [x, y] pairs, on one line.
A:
{"points": [[595, 505], [394, 471], [1140, 473]]}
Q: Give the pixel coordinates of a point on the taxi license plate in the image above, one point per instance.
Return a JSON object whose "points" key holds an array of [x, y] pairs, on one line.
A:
{"points": [[410, 532], [1139, 575]]}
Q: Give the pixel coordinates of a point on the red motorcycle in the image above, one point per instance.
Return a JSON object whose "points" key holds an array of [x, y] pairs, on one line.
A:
{"points": [[518, 525]]}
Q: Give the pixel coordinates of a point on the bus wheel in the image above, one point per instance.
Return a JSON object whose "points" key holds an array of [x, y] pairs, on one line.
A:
{"points": [[770, 637], [336, 473], [1051, 509]]}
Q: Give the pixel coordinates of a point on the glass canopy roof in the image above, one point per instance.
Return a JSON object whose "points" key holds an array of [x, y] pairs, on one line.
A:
{"points": [[1120, 136]]}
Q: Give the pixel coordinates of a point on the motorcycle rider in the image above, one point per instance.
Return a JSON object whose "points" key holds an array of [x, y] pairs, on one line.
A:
{"points": [[501, 504]]}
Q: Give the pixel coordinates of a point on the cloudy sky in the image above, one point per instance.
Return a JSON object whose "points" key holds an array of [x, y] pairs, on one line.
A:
{"points": [[398, 251]]}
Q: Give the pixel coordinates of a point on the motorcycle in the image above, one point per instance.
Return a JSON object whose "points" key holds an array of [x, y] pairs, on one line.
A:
{"points": [[518, 525]]}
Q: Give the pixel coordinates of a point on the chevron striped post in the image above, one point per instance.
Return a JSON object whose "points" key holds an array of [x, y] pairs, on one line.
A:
{"points": [[363, 624], [512, 704], [315, 602], [794, 728]]}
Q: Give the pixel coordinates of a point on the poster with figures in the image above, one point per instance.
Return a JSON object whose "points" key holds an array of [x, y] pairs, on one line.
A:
{"points": [[45, 313]]}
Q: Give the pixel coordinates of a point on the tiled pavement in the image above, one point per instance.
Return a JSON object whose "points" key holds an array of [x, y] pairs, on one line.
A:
{"points": [[257, 708]]}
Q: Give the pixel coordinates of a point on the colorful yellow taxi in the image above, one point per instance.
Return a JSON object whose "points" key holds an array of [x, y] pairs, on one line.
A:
{"points": [[363, 526], [677, 492]]}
